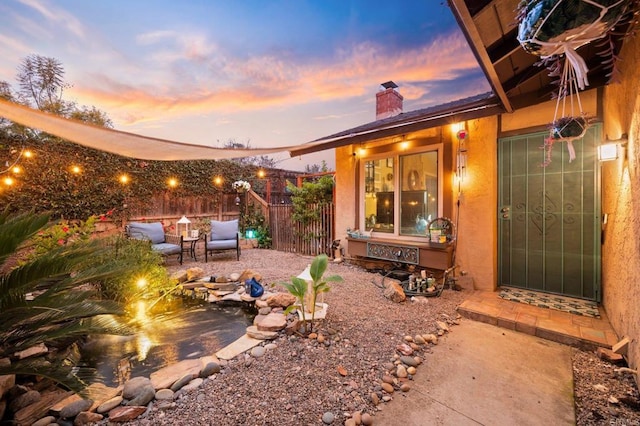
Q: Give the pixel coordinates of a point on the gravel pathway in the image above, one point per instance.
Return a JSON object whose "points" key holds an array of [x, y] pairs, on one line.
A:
{"points": [[301, 381]]}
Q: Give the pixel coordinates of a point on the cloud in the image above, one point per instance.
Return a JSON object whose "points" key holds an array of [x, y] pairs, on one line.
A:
{"points": [[193, 75], [60, 17]]}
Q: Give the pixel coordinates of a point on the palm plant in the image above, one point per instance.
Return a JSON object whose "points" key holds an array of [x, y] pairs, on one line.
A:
{"points": [[51, 299], [299, 287]]}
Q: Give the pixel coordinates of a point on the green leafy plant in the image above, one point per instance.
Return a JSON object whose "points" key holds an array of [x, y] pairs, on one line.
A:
{"points": [[51, 300], [144, 275], [319, 284], [252, 218]]}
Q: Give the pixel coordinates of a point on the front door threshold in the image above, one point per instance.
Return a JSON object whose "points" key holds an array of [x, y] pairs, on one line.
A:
{"points": [[579, 331]]}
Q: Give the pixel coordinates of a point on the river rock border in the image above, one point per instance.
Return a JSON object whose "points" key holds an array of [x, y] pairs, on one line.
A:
{"points": [[140, 396]]}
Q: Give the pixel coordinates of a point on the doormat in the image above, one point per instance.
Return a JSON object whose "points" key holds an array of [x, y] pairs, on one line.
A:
{"points": [[574, 306]]}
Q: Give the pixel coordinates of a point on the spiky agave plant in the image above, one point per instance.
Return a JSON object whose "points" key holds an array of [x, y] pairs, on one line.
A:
{"points": [[45, 301]]}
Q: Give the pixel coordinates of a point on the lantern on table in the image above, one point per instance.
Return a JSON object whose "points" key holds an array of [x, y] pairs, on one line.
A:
{"points": [[184, 227]]}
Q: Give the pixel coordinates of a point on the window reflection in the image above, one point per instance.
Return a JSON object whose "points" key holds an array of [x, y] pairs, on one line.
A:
{"points": [[413, 179], [379, 195], [419, 192]]}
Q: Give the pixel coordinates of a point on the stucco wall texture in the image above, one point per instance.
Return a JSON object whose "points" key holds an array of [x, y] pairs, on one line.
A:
{"points": [[477, 227], [621, 202]]}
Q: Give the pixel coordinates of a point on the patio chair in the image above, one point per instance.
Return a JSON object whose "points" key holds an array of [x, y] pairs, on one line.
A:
{"points": [[153, 232], [223, 236]]}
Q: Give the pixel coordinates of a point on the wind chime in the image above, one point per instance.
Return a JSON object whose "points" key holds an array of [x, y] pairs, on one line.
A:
{"points": [[554, 30]]}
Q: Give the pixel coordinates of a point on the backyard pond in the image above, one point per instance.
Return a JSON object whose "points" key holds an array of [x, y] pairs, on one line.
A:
{"points": [[174, 330]]}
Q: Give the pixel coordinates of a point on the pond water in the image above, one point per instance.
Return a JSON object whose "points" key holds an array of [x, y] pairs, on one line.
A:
{"points": [[177, 330]]}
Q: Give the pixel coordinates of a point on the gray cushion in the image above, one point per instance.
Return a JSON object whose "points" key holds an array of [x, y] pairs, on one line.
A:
{"points": [[147, 231], [227, 230], [166, 248], [222, 244]]}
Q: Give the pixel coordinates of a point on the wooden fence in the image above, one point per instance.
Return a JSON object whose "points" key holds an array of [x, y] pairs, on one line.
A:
{"points": [[291, 236], [287, 235]]}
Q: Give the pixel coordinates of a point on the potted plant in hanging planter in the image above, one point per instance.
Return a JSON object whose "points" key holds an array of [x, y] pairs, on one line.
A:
{"points": [[241, 186], [552, 28], [565, 129]]}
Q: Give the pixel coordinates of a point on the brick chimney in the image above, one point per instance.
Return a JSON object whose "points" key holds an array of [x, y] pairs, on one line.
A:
{"points": [[388, 101]]}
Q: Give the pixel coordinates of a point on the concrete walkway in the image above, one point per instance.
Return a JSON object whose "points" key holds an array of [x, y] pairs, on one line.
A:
{"points": [[482, 374]]}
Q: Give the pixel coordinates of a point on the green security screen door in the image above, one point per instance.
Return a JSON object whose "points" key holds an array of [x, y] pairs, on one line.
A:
{"points": [[549, 217]]}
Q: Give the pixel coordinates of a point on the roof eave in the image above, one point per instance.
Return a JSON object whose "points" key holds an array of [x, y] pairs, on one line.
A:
{"points": [[482, 109]]}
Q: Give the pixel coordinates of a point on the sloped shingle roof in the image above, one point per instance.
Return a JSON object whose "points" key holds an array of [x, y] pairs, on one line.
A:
{"points": [[477, 106]]}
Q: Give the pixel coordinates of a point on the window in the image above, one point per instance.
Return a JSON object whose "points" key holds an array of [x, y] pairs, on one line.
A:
{"points": [[401, 203]]}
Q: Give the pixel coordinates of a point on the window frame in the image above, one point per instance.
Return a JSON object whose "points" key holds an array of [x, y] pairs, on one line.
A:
{"points": [[397, 187]]}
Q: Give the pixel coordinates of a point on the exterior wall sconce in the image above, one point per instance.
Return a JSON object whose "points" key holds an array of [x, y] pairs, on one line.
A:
{"points": [[613, 149]]}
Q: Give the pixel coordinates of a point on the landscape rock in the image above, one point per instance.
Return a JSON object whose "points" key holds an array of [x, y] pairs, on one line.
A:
{"points": [[166, 376], [367, 419], [133, 386], [165, 395], [409, 361], [110, 404], [179, 276], [37, 350], [87, 417], [181, 382], [401, 372], [73, 409], [442, 326], [6, 382], [23, 400], [193, 384], [404, 349], [209, 369], [125, 413], [328, 417], [253, 331], [394, 292], [283, 300], [144, 396], [194, 273], [45, 421], [387, 387], [258, 351], [273, 322], [247, 274]]}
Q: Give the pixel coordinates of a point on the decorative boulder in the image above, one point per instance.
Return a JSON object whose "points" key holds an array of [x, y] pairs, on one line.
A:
{"points": [[394, 292], [282, 300]]}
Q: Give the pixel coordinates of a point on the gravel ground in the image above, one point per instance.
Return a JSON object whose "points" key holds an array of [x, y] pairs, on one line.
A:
{"points": [[300, 380]]}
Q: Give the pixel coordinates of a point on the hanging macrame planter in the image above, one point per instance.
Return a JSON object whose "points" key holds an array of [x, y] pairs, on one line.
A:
{"points": [[555, 29]]}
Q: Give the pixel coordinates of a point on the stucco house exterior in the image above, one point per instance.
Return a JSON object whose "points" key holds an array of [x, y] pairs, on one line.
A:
{"points": [[570, 228]]}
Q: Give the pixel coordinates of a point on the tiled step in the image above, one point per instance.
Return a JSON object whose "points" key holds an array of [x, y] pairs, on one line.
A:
{"points": [[574, 330]]}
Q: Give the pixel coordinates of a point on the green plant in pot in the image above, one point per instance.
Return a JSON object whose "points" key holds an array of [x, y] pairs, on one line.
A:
{"points": [[307, 291]]}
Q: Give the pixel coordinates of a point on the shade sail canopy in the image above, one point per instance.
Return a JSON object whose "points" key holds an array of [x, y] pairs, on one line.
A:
{"points": [[123, 143]]}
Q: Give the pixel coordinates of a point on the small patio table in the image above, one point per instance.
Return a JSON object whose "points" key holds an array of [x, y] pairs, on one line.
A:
{"points": [[190, 244]]}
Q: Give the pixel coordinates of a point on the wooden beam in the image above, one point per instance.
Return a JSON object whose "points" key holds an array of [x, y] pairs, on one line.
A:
{"points": [[470, 31]]}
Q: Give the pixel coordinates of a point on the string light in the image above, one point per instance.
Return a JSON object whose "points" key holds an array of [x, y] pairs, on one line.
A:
{"points": [[76, 170], [124, 179], [217, 181], [13, 166], [173, 182]]}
